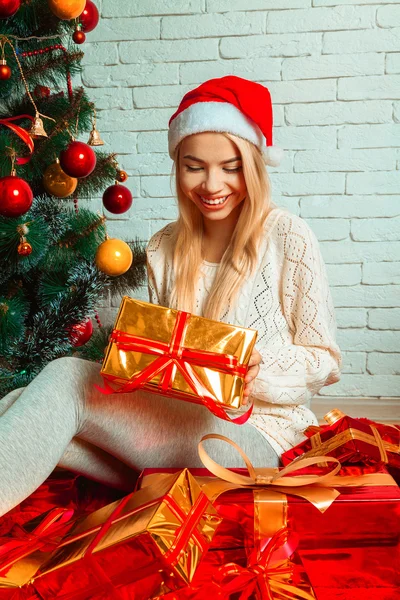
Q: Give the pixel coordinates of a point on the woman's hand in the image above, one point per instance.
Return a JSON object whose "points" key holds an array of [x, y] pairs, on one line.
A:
{"points": [[254, 369]]}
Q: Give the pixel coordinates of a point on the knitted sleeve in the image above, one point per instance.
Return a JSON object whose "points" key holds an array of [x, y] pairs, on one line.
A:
{"points": [[295, 368]]}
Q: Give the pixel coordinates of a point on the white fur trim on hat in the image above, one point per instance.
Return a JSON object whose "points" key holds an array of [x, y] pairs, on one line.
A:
{"points": [[219, 117]]}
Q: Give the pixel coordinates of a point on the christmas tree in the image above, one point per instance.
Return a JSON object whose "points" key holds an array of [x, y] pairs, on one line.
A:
{"points": [[56, 260]]}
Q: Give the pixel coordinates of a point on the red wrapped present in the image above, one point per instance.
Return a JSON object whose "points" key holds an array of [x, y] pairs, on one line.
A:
{"points": [[364, 502], [166, 527], [350, 440], [178, 354], [364, 514]]}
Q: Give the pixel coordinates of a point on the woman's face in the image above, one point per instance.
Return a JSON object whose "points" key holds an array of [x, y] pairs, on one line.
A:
{"points": [[211, 174]]}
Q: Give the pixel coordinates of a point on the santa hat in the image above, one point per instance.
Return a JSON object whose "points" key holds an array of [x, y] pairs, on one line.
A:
{"points": [[229, 104]]}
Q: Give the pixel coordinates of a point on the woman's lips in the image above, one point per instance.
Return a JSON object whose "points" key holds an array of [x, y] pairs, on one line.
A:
{"points": [[213, 206]]}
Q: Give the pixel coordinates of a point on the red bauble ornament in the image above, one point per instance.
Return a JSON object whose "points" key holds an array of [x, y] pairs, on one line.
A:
{"points": [[117, 199], [24, 249], [78, 160], [90, 16], [81, 333], [78, 36], [16, 196], [8, 8]]}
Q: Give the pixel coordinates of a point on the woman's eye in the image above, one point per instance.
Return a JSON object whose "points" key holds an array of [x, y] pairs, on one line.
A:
{"points": [[197, 169]]}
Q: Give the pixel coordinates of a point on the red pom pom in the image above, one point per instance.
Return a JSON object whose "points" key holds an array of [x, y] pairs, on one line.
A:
{"points": [[90, 17], [117, 199], [16, 196], [78, 160]]}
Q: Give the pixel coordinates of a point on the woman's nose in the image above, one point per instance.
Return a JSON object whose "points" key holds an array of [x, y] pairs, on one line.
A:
{"points": [[212, 183]]}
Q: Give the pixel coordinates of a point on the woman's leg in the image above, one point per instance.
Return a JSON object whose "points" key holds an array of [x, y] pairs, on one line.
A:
{"points": [[140, 429], [149, 430], [85, 458]]}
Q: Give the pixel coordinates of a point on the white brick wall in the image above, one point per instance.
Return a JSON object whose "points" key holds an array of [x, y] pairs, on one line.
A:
{"points": [[333, 69]]}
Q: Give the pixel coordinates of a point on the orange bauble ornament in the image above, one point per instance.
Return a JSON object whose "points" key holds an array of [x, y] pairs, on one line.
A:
{"points": [[57, 183], [5, 71], [114, 257], [24, 248], [122, 176], [67, 9]]}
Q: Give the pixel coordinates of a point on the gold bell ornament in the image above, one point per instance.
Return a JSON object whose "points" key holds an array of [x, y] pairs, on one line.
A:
{"points": [[24, 247], [94, 137], [57, 183], [37, 128]]}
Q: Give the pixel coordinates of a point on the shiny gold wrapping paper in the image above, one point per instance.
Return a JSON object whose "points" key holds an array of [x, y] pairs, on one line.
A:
{"points": [[157, 323], [169, 525], [144, 514]]}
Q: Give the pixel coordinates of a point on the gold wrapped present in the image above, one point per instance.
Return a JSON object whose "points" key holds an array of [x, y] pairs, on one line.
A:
{"points": [[178, 354], [163, 530]]}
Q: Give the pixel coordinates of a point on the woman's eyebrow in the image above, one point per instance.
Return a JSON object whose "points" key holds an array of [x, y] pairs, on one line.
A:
{"points": [[235, 158]]}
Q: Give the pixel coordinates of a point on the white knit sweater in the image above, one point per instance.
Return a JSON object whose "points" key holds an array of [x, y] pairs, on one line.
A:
{"points": [[289, 302]]}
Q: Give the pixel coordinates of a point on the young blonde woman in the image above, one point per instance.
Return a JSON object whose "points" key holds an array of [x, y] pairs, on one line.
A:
{"points": [[233, 256]]}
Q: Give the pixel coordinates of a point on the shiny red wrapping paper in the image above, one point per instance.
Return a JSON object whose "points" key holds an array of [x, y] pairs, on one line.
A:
{"points": [[359, 516], [350, 440], [167, 527], [354, 573], [355, 543], [62, 489]]}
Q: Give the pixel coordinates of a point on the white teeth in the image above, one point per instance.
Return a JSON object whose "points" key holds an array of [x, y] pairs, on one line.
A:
{"points": [[219, 201]]}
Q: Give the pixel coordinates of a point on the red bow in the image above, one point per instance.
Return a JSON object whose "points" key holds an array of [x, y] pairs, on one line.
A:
{"points": [[265, 573]]}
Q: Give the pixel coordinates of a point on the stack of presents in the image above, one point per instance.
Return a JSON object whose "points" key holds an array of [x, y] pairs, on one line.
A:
{"points": [[324, 526]]}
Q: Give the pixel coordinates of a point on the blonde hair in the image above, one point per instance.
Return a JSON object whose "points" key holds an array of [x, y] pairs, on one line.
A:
{"points": [[240, 257]]}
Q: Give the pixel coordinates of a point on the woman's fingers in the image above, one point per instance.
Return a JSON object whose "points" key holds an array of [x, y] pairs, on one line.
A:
{"points": [[253, 371]]}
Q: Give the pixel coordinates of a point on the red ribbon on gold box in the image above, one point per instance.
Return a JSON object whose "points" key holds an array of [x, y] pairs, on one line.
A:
{"points": [[178, 354]]}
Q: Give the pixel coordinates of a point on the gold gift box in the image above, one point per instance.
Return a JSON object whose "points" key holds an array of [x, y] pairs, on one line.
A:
{"points": [[209, 338], [165, 528]]}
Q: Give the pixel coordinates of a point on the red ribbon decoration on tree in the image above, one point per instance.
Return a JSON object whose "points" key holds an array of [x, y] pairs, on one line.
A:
{"points": [[22, 133], [173, 356]]}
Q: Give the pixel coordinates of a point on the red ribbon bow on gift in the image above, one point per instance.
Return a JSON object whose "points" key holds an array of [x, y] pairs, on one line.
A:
{"points": [[266, 572], [41, 538], [173, 356]]}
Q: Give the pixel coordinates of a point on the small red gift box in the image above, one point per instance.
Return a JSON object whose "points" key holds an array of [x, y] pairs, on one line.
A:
{"points": [[350, 440]]}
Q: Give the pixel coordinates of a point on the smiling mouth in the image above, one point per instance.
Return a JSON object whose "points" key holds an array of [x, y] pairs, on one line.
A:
{"points": [[214, 202]]}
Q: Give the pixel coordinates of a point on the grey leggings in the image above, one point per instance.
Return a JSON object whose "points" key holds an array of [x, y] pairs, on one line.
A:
{"points": [[60, 418]]}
